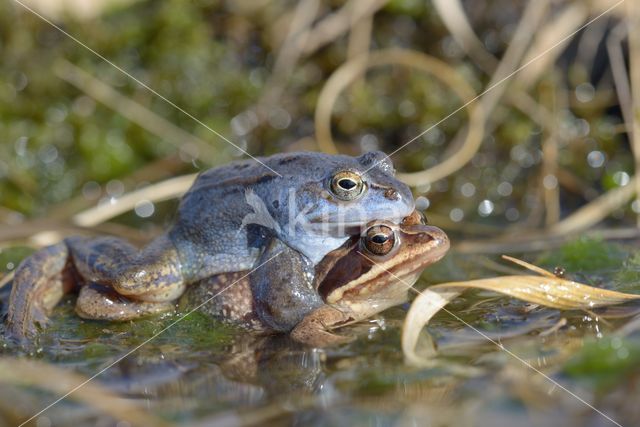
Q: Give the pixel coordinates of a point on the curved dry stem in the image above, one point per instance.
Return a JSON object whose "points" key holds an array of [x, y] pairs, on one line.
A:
{"points": [[564, 23], [351, 70], [455, 19], [548, 291]]}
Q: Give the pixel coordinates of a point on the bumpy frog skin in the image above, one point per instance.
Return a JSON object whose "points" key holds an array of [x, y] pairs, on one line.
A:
{"points": [[224, 223], [352, 283]]}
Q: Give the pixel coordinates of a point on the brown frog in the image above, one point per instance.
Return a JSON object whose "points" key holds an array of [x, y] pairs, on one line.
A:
{"points": [[365, 276]]}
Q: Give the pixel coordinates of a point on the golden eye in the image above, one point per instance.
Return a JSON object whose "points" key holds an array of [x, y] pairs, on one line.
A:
{"points": [[379, 240], [347, 185]]}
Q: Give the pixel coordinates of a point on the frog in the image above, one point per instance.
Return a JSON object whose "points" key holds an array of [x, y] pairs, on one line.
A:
{"points": [[233, 218], [365, 276]]}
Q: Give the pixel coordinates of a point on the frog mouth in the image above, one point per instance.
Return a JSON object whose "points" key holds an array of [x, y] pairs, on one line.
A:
{"points": [[334, 227]]}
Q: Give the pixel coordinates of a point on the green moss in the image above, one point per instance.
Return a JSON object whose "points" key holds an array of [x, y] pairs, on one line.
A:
{"points": [[586, 255], [12, 256], [605, 361]]}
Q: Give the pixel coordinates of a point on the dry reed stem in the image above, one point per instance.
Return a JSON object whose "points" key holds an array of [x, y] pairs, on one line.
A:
{"points": [[533, 15], [165, 190], [289, 53], [339, 23], [361, 29], [620, 75], [633, 23], [595, 211], [528, 266], [551, 194], [136, 113], [562, 24], [455, 19], [536, 240]]}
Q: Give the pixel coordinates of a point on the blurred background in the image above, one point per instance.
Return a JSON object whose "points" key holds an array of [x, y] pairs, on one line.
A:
{"points": [[271, 75], [96, 123]]}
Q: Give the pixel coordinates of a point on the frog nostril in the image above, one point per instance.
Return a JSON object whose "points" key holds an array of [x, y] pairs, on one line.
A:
{"points": [[391, 194], [425, 238]]}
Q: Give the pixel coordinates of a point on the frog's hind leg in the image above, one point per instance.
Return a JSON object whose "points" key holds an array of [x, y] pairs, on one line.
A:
{"points": [[39, 283], [151, 274], [102, 303]]}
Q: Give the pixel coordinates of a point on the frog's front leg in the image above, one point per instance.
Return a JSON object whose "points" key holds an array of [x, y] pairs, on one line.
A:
{"points": [[101, 303], [151, 274], [282, 287], [314, 329]]}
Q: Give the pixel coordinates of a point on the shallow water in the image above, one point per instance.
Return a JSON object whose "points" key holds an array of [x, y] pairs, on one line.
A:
{"points": [[199, 372]]}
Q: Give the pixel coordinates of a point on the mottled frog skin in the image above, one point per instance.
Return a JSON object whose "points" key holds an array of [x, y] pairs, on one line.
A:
{"points": [[233, 218]]}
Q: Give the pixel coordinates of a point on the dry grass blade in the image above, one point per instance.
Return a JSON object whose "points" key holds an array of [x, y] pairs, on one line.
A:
{"points": [[528, 266], [528, 241], [551, 292], [135, 112], [563, 24], [338, 23], [32, 373], [511, 61], [619, 72], [546, 290], [633, 22], [165, 190], [595, 211]]}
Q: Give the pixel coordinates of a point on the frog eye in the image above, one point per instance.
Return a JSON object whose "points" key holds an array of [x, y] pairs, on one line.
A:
{"points": [[379, 240], [347, 185]]}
